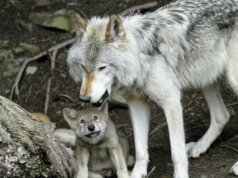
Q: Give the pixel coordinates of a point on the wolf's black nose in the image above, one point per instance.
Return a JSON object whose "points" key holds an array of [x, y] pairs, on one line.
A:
{"points": [[85, 98], [105, 95], [91, 128]]}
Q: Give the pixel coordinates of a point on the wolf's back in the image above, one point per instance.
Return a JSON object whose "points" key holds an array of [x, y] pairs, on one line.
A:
{"points": [[223, 11]]}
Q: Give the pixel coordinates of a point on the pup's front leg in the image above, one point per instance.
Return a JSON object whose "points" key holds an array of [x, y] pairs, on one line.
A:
{"points": [[82, 155], [119, 161], [140, 120]]}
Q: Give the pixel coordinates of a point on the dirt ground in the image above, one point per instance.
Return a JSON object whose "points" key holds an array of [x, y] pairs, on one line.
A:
{"points": [[64, 91]]}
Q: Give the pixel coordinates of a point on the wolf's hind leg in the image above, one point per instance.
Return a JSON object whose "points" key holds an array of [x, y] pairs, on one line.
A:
{"points": [[219, 117], [232, 64], [232, 72]]}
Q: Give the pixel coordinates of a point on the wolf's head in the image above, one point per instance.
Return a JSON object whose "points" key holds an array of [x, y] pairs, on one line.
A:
{"points": [[89, 124], [100, 55]]}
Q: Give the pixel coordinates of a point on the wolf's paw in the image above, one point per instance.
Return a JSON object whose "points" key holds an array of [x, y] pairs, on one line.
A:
{"points": [[194, 150], [139, 170], [182, 173], [234, 169], [181, 176]]}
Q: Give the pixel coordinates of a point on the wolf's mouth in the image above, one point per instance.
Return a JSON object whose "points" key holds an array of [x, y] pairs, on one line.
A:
{"points": [[93, 134], [103, 98]]}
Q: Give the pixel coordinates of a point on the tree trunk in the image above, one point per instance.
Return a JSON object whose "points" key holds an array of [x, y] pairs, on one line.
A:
{"points": [[27, 146]]}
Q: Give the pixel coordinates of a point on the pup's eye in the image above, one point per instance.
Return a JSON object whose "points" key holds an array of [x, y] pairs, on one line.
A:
{"points": [[101, 68], [82, 121], [96, 118]]}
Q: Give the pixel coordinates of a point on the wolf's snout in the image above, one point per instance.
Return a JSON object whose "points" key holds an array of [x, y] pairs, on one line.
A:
{"points": [[85, 98], [91, 128]]}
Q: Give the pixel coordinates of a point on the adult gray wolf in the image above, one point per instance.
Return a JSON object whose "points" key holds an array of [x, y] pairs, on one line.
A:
{"points": [[98, 148], [186, 44]]}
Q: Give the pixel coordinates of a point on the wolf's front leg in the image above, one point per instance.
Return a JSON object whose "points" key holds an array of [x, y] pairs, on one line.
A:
{"points": [[173, 112], [140, 120], [119, 162], [82, 156]]}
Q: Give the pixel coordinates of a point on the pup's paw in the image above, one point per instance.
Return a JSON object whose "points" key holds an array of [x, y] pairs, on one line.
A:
{"points": [[234, 169], [194, 150], [139, 170]]}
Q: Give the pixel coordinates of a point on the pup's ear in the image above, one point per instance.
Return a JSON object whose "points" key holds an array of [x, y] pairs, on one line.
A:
{"points": [[70, 115], [103, 108], [115, 29], [81, 25]]}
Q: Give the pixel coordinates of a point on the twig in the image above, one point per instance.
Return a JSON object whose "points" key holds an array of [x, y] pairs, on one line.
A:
{"points": [[158, 127], [53, 58], [229, 147], [139, 7], [75, 104], [233, 138], [151, 171], [232, 104], [68, 97], [47, 98], [19, 75], [121, 126], [195, 127], [229, 140], [15, 87]]}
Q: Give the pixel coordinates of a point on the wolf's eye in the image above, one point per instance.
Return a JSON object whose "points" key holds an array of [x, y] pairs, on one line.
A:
{"points": [[82, 121], [101, 68], [95, 118], [83, 67]]}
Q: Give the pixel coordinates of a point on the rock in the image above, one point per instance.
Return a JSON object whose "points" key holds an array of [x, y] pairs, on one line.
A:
{"points": [[27, 147], [31, 70], [18, 50], [31, 48], [24, 25], [62, 19]]}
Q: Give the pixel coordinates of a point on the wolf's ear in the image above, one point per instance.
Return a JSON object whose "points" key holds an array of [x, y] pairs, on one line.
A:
{"points": [[70, 115], [103, 108], [81, 25], [115, 29]]}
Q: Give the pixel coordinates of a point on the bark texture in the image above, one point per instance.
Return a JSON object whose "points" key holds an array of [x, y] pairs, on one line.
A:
{"points": [[27, 146]]}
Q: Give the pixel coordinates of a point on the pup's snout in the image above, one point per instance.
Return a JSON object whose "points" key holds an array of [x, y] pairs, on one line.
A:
{"points": [[91, 128], [85, 98]]}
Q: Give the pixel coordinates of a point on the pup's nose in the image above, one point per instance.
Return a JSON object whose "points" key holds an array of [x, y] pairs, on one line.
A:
{"points": [[91, 128], [85, 98]]}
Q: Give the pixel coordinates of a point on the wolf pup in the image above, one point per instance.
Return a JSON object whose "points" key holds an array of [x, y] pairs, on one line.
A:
{"points": [[186, 44], [99, 149]]}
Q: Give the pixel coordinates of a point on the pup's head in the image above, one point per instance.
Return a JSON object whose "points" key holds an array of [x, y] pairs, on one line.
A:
{"points": [[89, 124], [100, 55]]}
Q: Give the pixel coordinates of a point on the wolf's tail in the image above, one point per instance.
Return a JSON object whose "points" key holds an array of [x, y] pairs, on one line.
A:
{"points": [[65, 136]]}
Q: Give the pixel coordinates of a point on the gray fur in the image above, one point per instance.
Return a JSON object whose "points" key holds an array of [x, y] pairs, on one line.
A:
{"points": [[186, 44]]}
